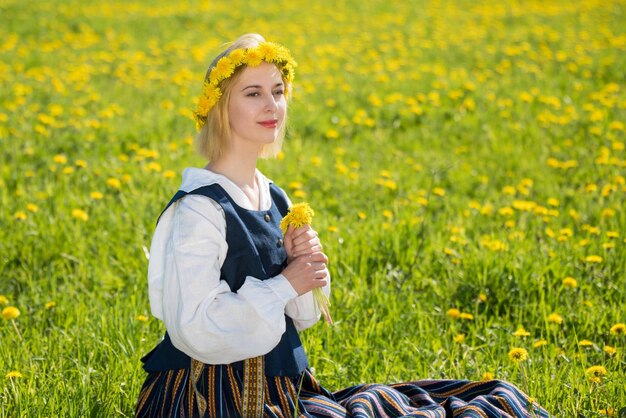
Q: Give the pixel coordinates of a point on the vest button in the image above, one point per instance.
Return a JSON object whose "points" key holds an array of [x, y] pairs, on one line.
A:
{"points": [[267, 217], [279, 243]]}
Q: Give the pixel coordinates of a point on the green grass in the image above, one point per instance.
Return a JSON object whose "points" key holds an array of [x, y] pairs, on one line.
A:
{"points": [[457, 154]]}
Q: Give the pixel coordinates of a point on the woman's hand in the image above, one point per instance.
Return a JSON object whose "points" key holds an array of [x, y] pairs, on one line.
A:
{"points": [[301, 241], [306, 272]]}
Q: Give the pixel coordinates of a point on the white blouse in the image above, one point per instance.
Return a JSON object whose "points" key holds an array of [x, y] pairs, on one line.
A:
{"points": [[203, 317]]}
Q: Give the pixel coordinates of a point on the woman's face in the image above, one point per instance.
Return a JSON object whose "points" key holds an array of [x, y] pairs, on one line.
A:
{"points": [[257, 107]]}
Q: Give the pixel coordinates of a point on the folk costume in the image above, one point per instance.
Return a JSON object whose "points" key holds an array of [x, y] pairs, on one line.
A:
{"points": [[214, 279]]}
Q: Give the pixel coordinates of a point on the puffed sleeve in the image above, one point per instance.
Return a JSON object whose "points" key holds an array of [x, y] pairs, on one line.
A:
{"points": [[203, 317]]}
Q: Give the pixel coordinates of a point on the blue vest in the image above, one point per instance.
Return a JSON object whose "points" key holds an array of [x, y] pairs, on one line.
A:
{"points": [[255, 248]]}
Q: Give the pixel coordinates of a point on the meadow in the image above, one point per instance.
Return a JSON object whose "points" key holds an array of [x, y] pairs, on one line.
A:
{"points": [[466, 161]]}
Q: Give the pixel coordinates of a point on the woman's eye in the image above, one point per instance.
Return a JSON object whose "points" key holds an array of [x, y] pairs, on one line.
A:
{"points": [[253, 94], [279, 92]]}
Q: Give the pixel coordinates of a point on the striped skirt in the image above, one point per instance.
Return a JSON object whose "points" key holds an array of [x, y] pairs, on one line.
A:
{"points": [[217, 392]]}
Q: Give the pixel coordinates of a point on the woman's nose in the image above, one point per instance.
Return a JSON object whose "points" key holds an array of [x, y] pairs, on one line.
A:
{"points": [[270, 104]]}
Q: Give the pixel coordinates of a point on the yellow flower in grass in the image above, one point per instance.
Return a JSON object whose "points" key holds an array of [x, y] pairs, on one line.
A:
{"points": [[593, 259], [521, 332], [488, 376], [20, 215], [555, 318], [114, 183], [10, 312], [570, 282], [595, 374], [540, 343], [618, 329], [80, 214], [14, 375], [459, 338], [517, 355], [611, 351], [585, 343], [454, 313], [609, 412], [3, 300], [467, 316]]}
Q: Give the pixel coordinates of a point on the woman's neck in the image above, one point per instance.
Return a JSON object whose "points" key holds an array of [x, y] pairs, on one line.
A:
{"points": [[240, 169]]}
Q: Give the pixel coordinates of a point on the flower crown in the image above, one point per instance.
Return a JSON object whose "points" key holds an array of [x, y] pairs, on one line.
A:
{"points": [[225, 67]]}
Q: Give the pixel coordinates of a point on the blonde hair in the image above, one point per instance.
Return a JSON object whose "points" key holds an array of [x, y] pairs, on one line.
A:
{"points": [[214, 137]]}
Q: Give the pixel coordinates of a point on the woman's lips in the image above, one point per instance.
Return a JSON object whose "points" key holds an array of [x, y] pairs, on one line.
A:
{"points": [[269, 123]]}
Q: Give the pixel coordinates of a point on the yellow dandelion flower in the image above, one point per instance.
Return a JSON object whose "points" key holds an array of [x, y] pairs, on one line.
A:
{"points": [[585, 343], [521, 332], [141, 318], [299, 214], [610, 412], [225, 68], [14, 375], [168, 174], [439, 191], [268, 51], [570, 282], [595, 374], [593, 259], [517, 355], [114, 183], [618, 329], [51, 304], [4, 300], [459, 338], [540, 343], [96, 195], [467, 316], [10, 312], [237, 56], [20, 215], [59, 159], [611, 351], [31, 207], [80, 214], [555, 318], [81, 163], [482, 297], [453, 313], [488, 376], [253, 57]]}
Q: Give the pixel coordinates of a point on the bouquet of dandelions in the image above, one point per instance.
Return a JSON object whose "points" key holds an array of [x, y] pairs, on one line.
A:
{"points": [[299, 215]]}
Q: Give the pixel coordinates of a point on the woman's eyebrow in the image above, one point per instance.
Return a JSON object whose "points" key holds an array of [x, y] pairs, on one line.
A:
{"points": [[256, 86]]}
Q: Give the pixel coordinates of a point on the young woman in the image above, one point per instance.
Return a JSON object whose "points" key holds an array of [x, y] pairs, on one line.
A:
{"points": [[233, 292]]}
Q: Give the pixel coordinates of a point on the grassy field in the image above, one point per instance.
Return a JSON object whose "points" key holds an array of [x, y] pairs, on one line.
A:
{"points": [[465, 160]]}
